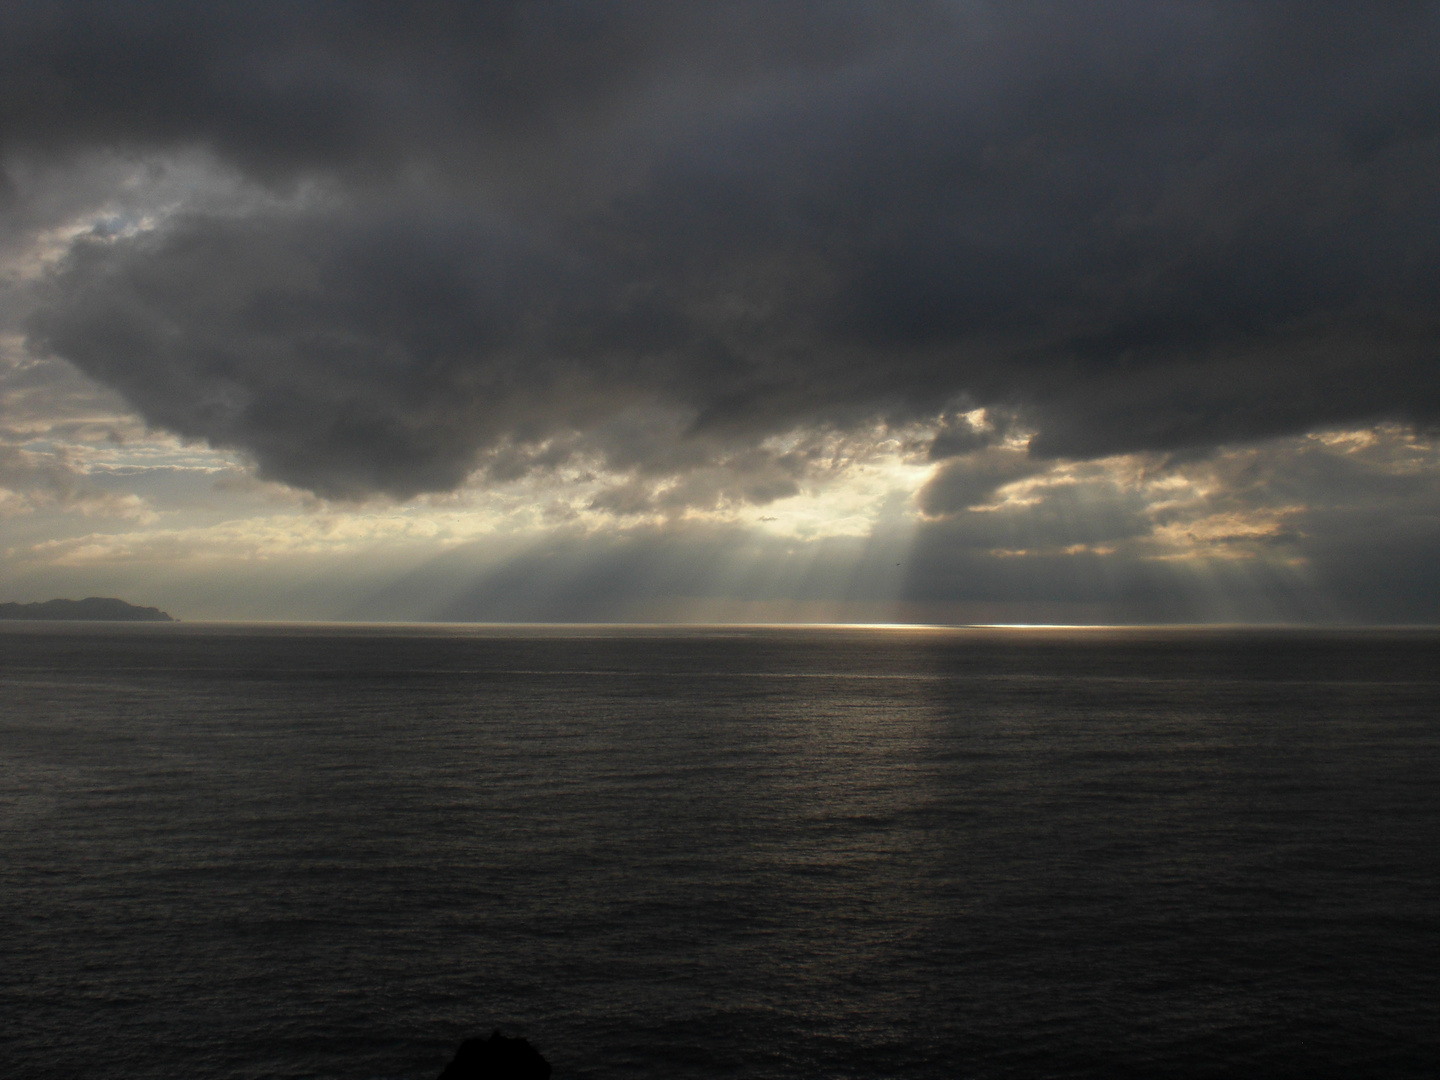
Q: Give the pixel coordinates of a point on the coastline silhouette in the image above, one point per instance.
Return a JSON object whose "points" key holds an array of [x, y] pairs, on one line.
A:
{"points": [[92, 608]]}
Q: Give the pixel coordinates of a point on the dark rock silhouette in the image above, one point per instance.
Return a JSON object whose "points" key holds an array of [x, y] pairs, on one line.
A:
{"points": [[104, 608], [497, 1058]]}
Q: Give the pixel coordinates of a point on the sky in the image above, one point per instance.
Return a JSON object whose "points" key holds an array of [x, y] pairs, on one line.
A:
{"points": [[759, 310]]}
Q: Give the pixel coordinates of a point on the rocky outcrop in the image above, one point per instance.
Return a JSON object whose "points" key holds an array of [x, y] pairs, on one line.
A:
{"points": [[104, 608], [497, 1058]]}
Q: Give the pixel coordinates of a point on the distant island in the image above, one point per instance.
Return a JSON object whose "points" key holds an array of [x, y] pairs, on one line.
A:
{"points": [[103, 608]]}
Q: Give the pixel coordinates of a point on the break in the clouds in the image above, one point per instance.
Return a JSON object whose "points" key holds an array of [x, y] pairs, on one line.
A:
{"points": [[1054, 285], [483, 227]]}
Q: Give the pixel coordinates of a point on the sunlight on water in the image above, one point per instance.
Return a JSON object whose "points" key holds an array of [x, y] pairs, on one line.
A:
{"points": [[266, 851]]}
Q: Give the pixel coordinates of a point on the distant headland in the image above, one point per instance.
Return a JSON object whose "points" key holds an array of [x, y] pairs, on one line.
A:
{"points": [[104, 608]]}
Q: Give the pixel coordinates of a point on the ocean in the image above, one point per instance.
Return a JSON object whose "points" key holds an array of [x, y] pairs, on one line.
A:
{"points": [[260, 851]]}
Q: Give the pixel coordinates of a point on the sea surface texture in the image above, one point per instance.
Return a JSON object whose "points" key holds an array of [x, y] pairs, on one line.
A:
{"points": [[258, 852]]}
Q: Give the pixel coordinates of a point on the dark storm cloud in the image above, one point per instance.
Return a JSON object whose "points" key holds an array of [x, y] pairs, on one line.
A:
{"points": [[1128, 225], [347, 356], [368, 86], [973, 479]]}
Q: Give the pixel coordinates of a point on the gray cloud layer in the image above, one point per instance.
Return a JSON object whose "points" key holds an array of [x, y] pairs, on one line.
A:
{"points": [[1132, 226]]}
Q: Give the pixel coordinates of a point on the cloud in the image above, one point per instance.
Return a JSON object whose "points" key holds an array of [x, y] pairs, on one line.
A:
{"points": [[31, 482], [1337, 526], [967, 482], [1132, 227]]}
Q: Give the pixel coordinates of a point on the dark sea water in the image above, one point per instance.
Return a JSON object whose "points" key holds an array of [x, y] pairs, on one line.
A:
{"points": [[336, 852]]}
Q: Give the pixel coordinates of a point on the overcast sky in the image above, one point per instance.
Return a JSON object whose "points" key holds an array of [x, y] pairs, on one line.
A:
{"points": [[766, 309]]}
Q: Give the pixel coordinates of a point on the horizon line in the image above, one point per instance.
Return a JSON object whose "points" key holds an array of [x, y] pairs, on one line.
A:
{"points": [[736, 625]]}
